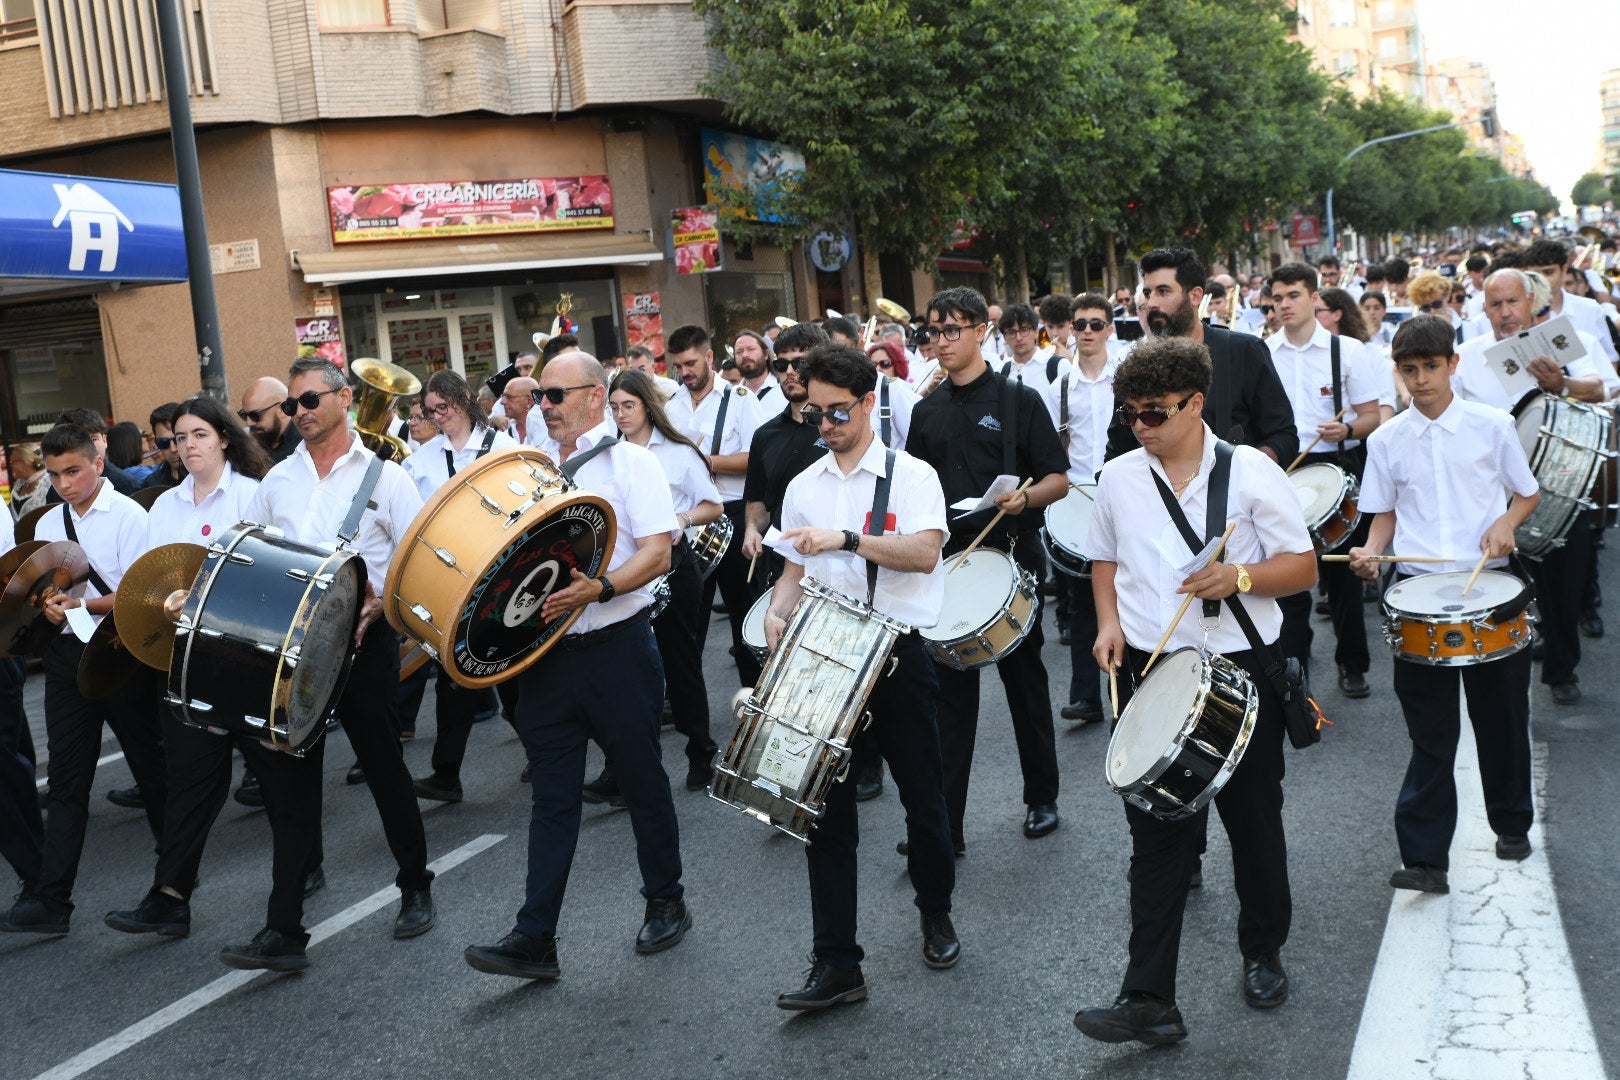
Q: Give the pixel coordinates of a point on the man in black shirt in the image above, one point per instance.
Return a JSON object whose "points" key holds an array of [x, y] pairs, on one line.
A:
{"points": [[782, 446], [976, 427], [169, 471], [261, 412]]}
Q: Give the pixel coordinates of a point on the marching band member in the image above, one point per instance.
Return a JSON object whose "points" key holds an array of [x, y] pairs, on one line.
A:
{"points": [[603, 680], [1436, 476], [902, 574], [1161, 386], [261, 411], [307, 496], [465, 435], [1046, 370], [22, 830], [896, 400], [752, 351]]}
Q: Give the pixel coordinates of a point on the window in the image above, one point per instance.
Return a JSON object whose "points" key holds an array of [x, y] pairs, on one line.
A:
{"points": [[18, 21], [353, 12]]}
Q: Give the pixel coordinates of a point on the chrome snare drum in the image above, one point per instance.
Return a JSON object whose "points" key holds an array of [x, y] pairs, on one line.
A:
{"points": [[1427, 620], [1183, 734], [1068, 523], [1327, 496], [990, 607], [794, 729], [1568, 444], [709, 543]]}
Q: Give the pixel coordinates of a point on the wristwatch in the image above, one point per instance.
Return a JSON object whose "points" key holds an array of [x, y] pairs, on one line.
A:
{"points": [[1245, 582], [607, 589]]}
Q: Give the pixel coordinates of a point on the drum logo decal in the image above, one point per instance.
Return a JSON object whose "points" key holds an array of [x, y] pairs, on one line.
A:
{"points": [[1453, 639]]}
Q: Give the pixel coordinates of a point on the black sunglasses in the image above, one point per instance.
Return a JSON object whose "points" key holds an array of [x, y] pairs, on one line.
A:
{"points": [[814, 417], [1151, 418], [1096, 326], [555, 394], [162, 443], [251, 416], [780, 365], [309, 399]]}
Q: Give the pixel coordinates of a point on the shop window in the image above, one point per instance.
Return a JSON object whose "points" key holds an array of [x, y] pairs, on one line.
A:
{"points": [[337, 14], [18, 21], [47, 378], [749, 297], [531, 309]]}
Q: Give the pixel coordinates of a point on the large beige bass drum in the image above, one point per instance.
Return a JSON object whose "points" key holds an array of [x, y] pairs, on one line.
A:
{"points": [[1567, 443], [990, 607], [1328, 498], [474, 570]]}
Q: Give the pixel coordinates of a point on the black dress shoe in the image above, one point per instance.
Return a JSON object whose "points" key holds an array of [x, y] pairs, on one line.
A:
{"points": [[129, 797], [1083, 712], [314, 882], [1353, 684], [1322, 608], [438, 788], [940, 947], [1515, 848], [667, 921], [523, 777], [824, 987], [1422, 878], [270, 950], [158, 913], [904, 847], [1567, 693], [30, 916], [1591, 625], [1265, 983], [869, 783], [698, 775], [356, 775], [604, 789], [249, 793], [1041, 819], [415, 916], [1133, 1017], [1064, 637], [518, 955]]}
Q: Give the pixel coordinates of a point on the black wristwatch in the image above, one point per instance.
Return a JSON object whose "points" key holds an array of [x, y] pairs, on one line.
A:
{"points": [[607, 589], [852, 541]]}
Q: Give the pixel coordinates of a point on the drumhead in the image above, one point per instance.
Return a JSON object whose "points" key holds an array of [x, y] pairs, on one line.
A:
{"points": [[976, 593], [1068, 521], [1158, 710], [1319, 488], [753, 627], [1440, 595], [1528, 416], [324, 651]]}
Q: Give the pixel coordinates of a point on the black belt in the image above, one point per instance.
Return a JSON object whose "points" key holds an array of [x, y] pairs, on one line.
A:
{"points": [[571, 642]]}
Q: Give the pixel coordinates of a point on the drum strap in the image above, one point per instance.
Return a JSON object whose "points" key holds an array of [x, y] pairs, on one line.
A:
{"points": [[1063, 410], [362, 499], [880, 515], [720, 422], [577, 462], [450, 456], [1338, 379], [73, 535], [884, 412]]}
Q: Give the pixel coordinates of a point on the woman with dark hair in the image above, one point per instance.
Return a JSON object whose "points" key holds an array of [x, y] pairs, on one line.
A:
{"points": [[124, 445], [1340, 314]]}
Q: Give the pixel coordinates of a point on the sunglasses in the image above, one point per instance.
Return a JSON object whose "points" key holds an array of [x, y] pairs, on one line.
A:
{"points": [[1151, 418], [1435, 306], [555, 394], [815, 417], [251, 416], [163, 444], [1096, 326], [780, 366], [309, 399]]}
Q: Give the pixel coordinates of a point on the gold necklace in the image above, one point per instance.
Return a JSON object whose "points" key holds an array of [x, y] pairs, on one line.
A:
{"points": [[1179, 488]]}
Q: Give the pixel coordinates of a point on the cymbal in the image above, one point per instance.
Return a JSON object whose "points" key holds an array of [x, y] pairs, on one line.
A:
{"points": [[105, 665], [30, 521], [143, 593], [146, 496], [15, 558], [59, 565], [893, 310]]}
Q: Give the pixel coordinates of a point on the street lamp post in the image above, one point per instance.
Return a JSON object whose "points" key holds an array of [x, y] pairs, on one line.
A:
{"points": [[1332, 233]]}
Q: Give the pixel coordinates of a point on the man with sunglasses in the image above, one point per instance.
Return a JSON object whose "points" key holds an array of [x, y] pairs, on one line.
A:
{"points": [[261, 412], [516, 403], [781, 448], [169, 471], [977, 426]]}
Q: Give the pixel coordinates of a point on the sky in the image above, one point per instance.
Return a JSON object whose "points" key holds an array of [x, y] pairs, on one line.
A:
{"points": [[1547, 59]]}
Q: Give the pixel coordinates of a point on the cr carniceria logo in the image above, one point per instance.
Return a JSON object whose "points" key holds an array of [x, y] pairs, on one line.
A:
{"points": [[94, 223]]}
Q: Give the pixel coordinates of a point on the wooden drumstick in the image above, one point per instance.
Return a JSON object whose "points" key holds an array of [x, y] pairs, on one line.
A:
{"points": [[1483, 559], [1308, 449], [1113, 688], [1081, 489], [977, 540], [751, 563], [1391, 558], [1185, 604]]}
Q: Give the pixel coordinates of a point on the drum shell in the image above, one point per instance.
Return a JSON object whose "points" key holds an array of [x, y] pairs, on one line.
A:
{"points": [[1332, 530], [1064, 553], [753, 627], [1461, 640], [970, 647], [1570, 451]]}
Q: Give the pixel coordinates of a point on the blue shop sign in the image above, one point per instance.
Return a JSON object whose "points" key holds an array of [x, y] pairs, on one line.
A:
{"points": [[85, 228]]}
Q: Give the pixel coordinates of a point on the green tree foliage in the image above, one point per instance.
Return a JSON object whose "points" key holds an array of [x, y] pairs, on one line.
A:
{"points": [[1590, 190]]}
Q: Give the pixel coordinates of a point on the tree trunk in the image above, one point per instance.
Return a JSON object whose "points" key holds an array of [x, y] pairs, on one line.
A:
{"points": [[871, 276], [1110, 265], [1020, 274]]}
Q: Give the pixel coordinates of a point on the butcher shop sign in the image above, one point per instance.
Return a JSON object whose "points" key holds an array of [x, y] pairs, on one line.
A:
{"points": [[418, 211]]}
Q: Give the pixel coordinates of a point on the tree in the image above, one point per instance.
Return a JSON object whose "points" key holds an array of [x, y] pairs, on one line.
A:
{"points": [[1591, 190]]}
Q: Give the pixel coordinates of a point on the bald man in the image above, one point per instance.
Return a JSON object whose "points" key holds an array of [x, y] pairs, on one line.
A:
{"points": [[517, 398], [261, 412]]}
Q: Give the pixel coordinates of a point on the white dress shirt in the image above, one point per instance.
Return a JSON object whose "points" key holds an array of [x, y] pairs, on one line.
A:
{"points": [[768, 395], [310, 508], [112, 532], [1446, 479], [1475, 380], [429, 470], [902, 399], [8, 533], [631, 480], [1091, 409], [824, 497], [697, 423], [1307, 378], [178, 518], [1131, 528], [1587, 315], [686, 470], [1032, 373]]}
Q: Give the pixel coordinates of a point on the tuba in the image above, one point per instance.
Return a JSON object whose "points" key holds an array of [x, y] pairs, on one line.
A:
{"points": [[380, 385]]}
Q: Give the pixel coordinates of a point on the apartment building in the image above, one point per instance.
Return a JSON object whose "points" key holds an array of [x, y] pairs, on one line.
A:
{"points": [[1609, 90]]}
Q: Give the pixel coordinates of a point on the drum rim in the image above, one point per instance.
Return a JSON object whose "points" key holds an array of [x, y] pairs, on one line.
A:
{"points": [[1450, 618], [1168, 757], [340, 561], [1348, 489]]}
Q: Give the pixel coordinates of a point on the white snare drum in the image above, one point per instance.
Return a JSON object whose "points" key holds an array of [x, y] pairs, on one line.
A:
{"points": [[990, 607], [1068, 523], [753, 627], [1567, 443], [1429, 621], [709, 543], [794, 729], [1327, 497], [1183, 733]]}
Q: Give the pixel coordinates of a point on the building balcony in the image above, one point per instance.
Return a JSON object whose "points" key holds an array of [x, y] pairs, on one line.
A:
{"points": [[622, 52]]}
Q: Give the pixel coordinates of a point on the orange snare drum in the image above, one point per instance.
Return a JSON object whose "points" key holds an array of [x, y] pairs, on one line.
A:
{"points": [[473, 571], [1427, 620]]}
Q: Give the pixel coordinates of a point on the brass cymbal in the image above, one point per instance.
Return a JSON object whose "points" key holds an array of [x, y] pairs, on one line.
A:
{"points": [[57, 566], [143, 593], [893, 310], [30, 521], [15, 558], [146, 496], [105, 665]]}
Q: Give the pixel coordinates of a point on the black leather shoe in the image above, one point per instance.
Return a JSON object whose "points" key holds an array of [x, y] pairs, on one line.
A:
{"points": [[249, 793], [415, 916], [1515, 848], [1064, 638], [1591, 625], [1082, 712], [31, 916], [869, 784], [824, 987], [940, 947], [1422, 878], [1322, 608], [698, 775], [667, 921], [158, 913], [438, 788], [356, 775], [270, 950], [314, 882], [1041, 819], [1265, 983], [129, 797], [904, 848], [1140, 1018], [1353, 684], [523, 777], [604, 789], [518, 955], [1567, 693]]}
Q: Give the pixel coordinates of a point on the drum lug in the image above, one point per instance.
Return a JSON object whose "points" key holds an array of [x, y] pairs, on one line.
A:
{"points": [[422, 613], [445, 557], [1434, 650], [1013, 621], [171, 698], [208, 631], [198, 706], [256, 721], [1514, 634], [1479, 647], [239, 559], [298, 574], [267, 646], [290, 657], [1432, 635]]}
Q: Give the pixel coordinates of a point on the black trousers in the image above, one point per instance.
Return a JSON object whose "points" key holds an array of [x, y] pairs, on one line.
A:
{"points": [[22, 831], [199, 764], [73, 733], [1163, 853], [676, 631], [292, 785], [904, 732], [730, 578], [1029, 698], [1085, 677], [1561, 583], [1498, 695], [455, 709], [1343, 596]]}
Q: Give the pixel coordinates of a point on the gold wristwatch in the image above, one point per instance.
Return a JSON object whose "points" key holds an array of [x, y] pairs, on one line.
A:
{"points": [[1245, 582]]}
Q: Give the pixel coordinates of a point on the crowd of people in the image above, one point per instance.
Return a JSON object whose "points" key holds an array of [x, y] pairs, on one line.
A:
{"points": [[842, 454]]}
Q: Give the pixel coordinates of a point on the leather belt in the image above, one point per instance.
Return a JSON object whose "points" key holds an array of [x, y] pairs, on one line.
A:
{"points": [[572, 642]]}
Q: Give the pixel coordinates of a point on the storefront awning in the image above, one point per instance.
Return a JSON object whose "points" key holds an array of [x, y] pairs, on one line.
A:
{"points": [[438, 258]]}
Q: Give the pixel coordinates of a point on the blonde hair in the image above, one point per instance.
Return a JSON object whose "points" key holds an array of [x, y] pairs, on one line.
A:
{"points": [[1428, 287]]}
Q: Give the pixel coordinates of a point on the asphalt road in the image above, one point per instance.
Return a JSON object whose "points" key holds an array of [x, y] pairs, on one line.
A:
{"points": [[1043, 925]]}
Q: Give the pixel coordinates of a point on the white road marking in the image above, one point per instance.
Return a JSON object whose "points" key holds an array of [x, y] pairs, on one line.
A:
{"points": [[118, 756], [1477, 984], [142, 1030]]}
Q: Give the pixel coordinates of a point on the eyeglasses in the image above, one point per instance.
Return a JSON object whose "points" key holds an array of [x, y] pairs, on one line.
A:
{"points": [[1011, 331], [1096, 326], [163, 444], [309, 399], [441, 409], [251, 416], [816, 417], [1151, 418], [950, 331], [515, 395], [555, 394], [1266, 310], [780, 365]]}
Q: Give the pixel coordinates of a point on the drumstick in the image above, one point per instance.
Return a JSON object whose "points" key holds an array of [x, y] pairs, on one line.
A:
{"points": [[977, 540], [1391, 558], [750, 579], [1185, 604], [1081, 489], [1314, 441], [1477, 568], [1113, 688]]}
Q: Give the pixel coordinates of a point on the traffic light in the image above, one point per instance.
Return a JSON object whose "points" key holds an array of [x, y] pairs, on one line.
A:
{"points": [[1487, 123]]}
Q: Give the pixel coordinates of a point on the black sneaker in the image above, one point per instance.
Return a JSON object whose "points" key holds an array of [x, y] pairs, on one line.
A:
{"points": [[604, 789], [1082, 712], [270, 950], [1133, 1017], [518, 955], [30, 916], [249, 794], [158, 913]]}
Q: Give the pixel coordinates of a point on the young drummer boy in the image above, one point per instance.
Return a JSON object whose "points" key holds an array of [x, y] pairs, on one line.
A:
{"points": [[1436, 479]]}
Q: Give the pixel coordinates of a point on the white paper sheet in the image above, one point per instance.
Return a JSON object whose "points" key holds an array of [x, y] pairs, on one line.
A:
{"points": [[1000, 486], [1509, 359]]}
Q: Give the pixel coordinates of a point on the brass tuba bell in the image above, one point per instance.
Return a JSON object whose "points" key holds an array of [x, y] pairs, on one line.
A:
{"points": [[380, 385]]}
